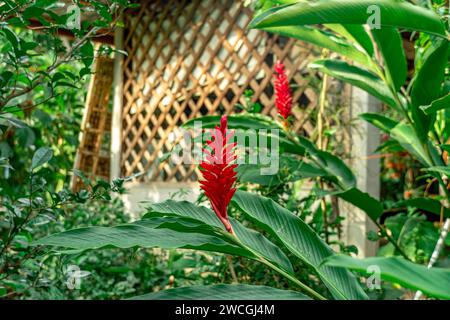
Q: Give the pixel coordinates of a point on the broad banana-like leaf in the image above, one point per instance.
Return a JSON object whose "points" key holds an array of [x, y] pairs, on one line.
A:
{"points": [[223, 292], [427, 86], [300, 239], [325, 40], [390, 45], [148, 233], [399, 14], [250, 238], [290, 169], [172, 233], [363, 201], [434, 282], [237, 121], [427, 204], [329, 163], [251, 126], [358, 77], [354, 33]]}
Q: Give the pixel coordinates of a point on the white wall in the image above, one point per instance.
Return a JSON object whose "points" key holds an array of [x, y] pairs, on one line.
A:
{"points": [[140, 194]]}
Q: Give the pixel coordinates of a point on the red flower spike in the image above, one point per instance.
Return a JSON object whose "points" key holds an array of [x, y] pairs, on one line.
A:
{"points": [[218, 173], [283, 94]]}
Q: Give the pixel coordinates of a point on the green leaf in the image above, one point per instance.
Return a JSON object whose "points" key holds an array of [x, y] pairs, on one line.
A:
{"points": [[379, 121], [427, 85], [87, 53], [436, 105], [439, 169], [249, 124], [238, 121], [12, 38], [406, 136], [356, 76], [300, 239], [248, 237], [399, 14], [354, 33], [224, 292], [323, 39], [146, 233], [361, 37], [290, 169], [332, 165], [426, 204], [433, 282], [363, 201], [390, 45], [41, 156]]}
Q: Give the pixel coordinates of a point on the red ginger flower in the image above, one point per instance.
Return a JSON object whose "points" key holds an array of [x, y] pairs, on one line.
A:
{"points": [[218, 172], [283, 95]]}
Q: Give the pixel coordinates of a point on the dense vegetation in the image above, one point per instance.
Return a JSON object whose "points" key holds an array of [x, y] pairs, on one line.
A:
{"points": [[255, 230]]}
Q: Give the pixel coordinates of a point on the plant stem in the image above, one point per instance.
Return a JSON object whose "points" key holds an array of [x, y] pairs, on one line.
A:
{"points": [[437, 251], [320, 145], [311, 291], [231, 267], [287, 275]]}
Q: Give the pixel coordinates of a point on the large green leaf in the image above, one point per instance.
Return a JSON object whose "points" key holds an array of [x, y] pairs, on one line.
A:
{"points": [[250, 238], [436, 105], [406, 136], [434, 282], [363, 201], [390, 45], [252, 127], [300, 239], [331, 164], [224, 292], [379, 121], [399, 14], [440, 169], [427, 85], [290, 169], [147, 233], [356, 76], [237, 121], [427, 204], [325, 40], [355, 33]]}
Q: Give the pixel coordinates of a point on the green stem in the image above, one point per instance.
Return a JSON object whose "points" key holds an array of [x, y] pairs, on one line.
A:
{"points": [[287, 275], [293, 279]]}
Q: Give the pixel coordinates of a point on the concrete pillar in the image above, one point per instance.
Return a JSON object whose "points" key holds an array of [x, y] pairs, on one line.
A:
{"points": [[116, 126], [364, 139]]}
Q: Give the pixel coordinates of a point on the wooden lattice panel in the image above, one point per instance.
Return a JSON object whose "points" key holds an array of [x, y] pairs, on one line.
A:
{"points": [[192, 58], [93, 155]]}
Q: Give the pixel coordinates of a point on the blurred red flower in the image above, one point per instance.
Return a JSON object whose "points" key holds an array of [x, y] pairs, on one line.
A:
{"points": [[283, 94]]}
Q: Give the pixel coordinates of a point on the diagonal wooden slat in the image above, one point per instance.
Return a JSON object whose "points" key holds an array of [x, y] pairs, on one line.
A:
{"points": [[189, 58]]}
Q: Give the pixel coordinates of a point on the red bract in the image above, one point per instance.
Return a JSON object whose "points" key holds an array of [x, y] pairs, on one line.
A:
{"points": [[218, 171], [283, 95]]}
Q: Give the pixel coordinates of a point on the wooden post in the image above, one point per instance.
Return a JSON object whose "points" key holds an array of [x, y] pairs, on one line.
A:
{"points": [[90, 157], [116, 127], [364, 139]]}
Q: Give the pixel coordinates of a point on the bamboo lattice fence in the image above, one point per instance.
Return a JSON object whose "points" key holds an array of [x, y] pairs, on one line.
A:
{"points": [[192, 58]]}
